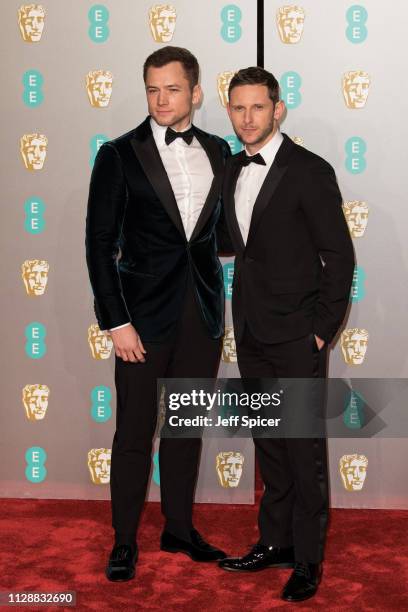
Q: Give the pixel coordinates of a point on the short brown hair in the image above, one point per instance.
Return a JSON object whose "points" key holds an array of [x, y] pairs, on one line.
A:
{"points": [[256, 76], [168, 54]]}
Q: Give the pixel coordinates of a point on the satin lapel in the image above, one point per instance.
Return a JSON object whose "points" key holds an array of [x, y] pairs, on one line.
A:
{"points": [[230, 182], [149, 158]]}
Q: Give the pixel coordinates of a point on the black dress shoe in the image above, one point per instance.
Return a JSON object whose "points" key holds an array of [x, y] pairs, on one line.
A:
{"points": [[303, 582], [121, 565], [259, 558], [198, 549]]}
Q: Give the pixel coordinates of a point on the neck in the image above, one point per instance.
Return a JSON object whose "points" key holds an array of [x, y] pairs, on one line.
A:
{"points": [[257, 146], [182, 124]]}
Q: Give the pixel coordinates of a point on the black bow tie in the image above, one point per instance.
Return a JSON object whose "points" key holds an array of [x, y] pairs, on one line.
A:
{"points": [[245, 159], [171, 135]]}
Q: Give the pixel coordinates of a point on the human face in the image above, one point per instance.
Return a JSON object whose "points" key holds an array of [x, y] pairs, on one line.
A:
{"points": [[253, 115], [170, 99]]}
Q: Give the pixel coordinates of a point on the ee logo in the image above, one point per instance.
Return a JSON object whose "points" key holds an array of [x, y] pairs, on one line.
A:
{"points": [[35, 346], [95, 144], [231, 30], [32, 93], [357, 292], [156, 469], [101, 410], [356, 31], [234, 143], [98, 16], [34, 222], [228, 271], [290, 84], [35, 458], [353, 416], [355, 148]]}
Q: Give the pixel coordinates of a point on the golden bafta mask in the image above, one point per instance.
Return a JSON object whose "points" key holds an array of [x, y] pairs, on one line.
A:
{"points": [[298, 140], [99, 462], [99, 87], [229, 349], [33, 149], [35, 401], [31, 22], [290, 20], [34, 273], [353, 471], [354, 345], [162, 19], [100, 342], [356, 85], [356, 213], [229, 466], [223, 81]]}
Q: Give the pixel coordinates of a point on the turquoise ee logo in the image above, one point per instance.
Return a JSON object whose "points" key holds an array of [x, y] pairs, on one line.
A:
{"points": [[156, 469], [35, 458], [355, 148], [356, 31], [357, 292], [353, 416], [98, 16], [101, 410], [231, 16], [234, 143], [35, 346], [34, 222], [32, 93], [228, 271], [95, 144], [290, 84]]}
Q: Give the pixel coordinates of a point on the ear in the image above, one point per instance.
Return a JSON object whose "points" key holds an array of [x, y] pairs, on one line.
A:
{"points": [[228, 107], [197, 94], [279, 110]]}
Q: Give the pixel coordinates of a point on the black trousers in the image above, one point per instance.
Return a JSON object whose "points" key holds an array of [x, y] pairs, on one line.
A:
{"points": [[189, 353], [294, 506]]}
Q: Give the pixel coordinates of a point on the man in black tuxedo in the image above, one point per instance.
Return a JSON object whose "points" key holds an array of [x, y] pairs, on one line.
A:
{"points": [[293, 271], [155, 197]]}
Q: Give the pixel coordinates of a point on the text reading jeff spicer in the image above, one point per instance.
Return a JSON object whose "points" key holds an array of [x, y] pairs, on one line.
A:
{"points": [[223, 400]]}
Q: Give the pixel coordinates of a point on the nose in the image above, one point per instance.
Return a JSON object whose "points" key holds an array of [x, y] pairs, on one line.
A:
{"points": [[247, 116], [162, 98]]}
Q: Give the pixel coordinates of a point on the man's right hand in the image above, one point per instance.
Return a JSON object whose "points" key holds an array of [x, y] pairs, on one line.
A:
{"points": [[128, 345]]}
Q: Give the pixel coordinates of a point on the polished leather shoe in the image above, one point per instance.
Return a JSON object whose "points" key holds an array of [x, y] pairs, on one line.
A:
{"points": [[121, 565], [303, 582], [198, 549], [260, 557]]}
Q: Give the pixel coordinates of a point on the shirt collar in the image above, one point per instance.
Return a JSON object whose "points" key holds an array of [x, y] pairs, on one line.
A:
{"points": [[270, 150], [159, 131]]}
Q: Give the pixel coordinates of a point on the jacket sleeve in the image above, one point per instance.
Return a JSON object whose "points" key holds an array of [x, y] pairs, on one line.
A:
{"points": [[106, 209], [224, 243], [324, 216]]}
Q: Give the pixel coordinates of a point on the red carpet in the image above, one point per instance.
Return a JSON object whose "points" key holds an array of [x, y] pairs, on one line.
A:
{"points": [[63, 545]]}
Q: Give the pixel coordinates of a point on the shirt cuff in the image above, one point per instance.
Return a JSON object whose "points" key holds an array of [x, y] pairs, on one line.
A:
{"points": [[119, 326]]}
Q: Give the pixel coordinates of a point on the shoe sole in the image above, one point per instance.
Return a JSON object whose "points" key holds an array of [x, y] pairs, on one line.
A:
{"points": [[253, 571], [185, 552], [120, 579]]}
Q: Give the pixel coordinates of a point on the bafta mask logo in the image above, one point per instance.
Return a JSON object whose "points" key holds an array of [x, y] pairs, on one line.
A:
{"points": [[356, 213], [298, 140], [354, 345], [229, 349], [162, 19], [100, 342], [35, 276], [290, 20], [99, 461], [229, 466], [35, 401], [356, 85], [99, 87], [223, 81], [353, 471], [33, 149], [31, 21]]}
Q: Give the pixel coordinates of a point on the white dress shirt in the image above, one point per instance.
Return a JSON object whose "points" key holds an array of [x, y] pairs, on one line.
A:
{"points": [[190, 174], [250, 181]]}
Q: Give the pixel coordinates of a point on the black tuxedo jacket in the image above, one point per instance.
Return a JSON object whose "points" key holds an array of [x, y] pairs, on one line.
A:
{"points": [[132, 212], [294, 274]]}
